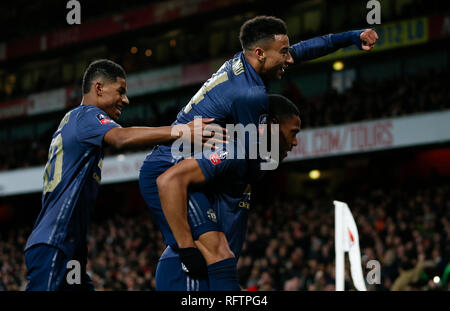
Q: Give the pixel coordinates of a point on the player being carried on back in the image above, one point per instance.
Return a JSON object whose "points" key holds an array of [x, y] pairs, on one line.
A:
{"points": [[235, 94]]}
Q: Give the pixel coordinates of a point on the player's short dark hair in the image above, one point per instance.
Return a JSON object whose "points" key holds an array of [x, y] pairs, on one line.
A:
{"points": [[104, 68], [281, 108], [259, 28]]}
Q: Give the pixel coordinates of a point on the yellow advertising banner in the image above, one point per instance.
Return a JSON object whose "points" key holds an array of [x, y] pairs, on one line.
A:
{"points": [[390, 36]]}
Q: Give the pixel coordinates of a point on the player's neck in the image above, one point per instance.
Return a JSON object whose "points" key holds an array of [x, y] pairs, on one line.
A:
{"points": [[253, 62], [87, 100], [257, 65]]}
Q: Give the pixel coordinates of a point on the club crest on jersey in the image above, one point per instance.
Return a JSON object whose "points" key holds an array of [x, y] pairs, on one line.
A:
{"points": [[212, 215], [262, 123], [217, 157], [103, 119]]}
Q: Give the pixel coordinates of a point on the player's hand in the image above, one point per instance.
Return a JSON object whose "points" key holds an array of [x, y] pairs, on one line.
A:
{"points": [[193, 263], [368, 38], [211, 134]]}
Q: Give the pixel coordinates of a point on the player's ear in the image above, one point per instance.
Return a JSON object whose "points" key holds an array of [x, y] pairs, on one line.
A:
{"points": [[98, 87], [260, 53]]}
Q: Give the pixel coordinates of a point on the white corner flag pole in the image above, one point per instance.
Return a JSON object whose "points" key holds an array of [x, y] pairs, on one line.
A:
{"points": [[346, 239]]}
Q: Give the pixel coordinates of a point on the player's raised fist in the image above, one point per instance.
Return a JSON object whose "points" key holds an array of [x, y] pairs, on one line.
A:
{"points": [[368, 39]]}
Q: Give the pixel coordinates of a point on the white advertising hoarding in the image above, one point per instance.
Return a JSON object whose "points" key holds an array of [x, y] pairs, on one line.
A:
{"points": [[420, 129]]}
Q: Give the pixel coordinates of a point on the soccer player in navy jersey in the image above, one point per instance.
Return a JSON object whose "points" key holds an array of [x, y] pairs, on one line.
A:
{"points": [[72, 176], [219, 204], [236, 94]]}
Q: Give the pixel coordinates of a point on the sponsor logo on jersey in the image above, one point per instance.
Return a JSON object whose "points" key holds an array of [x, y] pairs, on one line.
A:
{"points": [[103, 119], [245, 202]]}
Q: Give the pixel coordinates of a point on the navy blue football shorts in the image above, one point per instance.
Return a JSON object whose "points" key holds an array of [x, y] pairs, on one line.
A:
{"points": [[47, 270], [201, 211]]}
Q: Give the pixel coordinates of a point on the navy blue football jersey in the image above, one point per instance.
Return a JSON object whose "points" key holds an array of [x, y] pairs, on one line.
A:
{"points": [[236, 94], [71, 179]]}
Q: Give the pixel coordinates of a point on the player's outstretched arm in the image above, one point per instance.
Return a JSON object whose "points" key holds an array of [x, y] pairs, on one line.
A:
{"points": [[320, 46], [144, 136]]}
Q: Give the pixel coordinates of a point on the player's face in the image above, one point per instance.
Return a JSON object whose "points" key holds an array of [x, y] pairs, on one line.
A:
{"points": [[288, 135], [277, 58], [114, 98]]}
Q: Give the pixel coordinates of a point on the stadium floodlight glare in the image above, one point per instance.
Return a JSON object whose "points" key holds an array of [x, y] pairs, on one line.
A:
{"points": [[314, 174], [338, 65], [436, 280]]}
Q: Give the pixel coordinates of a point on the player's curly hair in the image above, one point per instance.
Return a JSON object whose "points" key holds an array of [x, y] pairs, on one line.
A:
{"points": [[260, 28], [281, 107], [104, 68]]}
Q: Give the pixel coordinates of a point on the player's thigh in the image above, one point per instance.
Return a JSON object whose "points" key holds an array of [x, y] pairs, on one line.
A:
{"points": [[46, 268], [170, 277], [149, 190], [202, 214], [148, 174], [206, 228]]}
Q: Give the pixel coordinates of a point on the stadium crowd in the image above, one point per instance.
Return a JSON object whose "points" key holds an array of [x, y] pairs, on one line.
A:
{"points": [[289, 245], [364, 101]]}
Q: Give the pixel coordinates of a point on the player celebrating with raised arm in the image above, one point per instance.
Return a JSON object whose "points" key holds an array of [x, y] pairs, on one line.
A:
{"points": [[236, 94], [73, 173], [224, 197]]}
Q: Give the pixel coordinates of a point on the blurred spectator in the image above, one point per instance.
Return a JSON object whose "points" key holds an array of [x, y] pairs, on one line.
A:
{"points": [[289, 245], [409, 276]]}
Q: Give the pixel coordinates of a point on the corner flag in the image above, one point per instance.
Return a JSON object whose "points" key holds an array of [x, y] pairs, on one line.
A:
{"points": [[346, 239]]}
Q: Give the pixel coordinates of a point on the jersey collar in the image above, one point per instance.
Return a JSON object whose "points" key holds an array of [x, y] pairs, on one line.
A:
{"points": [[251, 71]]}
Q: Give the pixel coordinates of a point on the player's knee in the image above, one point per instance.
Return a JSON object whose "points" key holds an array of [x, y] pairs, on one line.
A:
{"points": [[161, 180], [171, 178], [214, 247], [164, 180]]}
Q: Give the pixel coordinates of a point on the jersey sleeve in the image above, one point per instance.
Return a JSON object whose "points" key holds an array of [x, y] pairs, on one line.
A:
{"points": [[323, 45], [220, 164], [92, 125]]}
